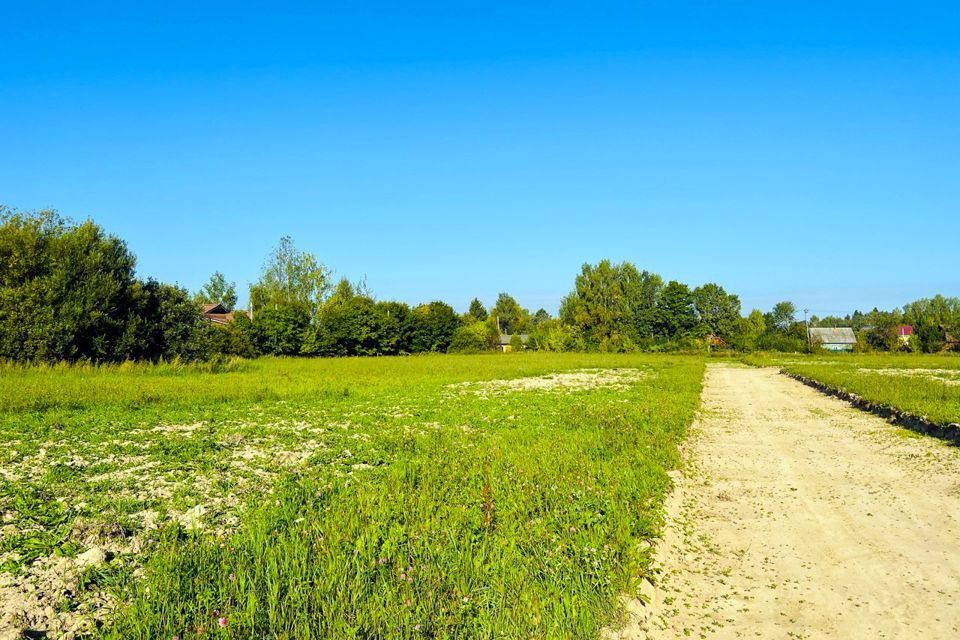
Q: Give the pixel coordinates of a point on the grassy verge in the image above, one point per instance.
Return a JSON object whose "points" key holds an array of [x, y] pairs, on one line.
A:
{"points": [[923, 385], [402, 497]]}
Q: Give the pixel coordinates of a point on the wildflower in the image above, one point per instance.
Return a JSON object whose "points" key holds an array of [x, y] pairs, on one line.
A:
{"points": [[416, 627], [175, 637], [403, 577], [222, 621], [408, 602], [466, 599]]}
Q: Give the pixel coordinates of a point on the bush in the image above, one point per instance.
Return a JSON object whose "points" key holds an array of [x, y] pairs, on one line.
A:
{"points": [[279, 332], [553, 335], [430, 327], [231, 340], [472, 338], [781, 342]]}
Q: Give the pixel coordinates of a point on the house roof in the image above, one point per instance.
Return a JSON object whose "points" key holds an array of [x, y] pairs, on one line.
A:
{"points": [[213, 307], [904, 330], [838, 335], [505, 338]]}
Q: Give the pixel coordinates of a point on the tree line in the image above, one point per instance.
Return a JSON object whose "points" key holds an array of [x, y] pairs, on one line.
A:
{"points": [[69, 291], [935, 324]]}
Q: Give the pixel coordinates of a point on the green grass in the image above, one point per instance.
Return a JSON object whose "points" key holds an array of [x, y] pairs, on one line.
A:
{"points": [[345, 498], [924, 385]]}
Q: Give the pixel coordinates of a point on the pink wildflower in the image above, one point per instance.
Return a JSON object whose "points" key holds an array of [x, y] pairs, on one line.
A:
{"points": [[222, 621], [416, 627]]}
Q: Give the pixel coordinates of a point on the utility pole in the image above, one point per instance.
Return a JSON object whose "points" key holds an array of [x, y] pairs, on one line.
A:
{"points": [[807, 325]]}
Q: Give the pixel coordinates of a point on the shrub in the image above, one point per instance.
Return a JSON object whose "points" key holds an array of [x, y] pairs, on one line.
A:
{"points": [[472, 338], [279, 332]]}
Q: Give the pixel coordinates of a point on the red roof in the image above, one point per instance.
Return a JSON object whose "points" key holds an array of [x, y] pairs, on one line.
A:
{"points": [[904, 330]]}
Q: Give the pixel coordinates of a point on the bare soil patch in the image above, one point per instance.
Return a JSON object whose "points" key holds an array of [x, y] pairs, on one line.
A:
{"points": [[798, 516], [566, 382]]}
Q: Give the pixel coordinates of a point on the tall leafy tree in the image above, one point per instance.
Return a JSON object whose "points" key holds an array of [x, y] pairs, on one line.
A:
{"points": [[932, 318], [782, 317], [676, 315], [430, 327], [353, 327], [748, 331], [717, 311], [279, 331], [641, 290], [218, 290], [291, 279], [395, 330], [611, 304], [68, 292], [65, 289], [541, 316], [511, 317], [476, 312]]}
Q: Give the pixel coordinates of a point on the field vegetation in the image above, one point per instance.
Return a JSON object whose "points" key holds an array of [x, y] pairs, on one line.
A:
{"points": [[432, 496], [925, 385]]}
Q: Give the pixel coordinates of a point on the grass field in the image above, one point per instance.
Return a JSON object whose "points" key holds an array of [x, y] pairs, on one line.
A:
{"points": [[924, 385], [422, 497]]}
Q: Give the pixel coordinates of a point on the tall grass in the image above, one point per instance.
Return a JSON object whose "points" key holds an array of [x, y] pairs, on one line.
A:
{"points": [[519, 515]]}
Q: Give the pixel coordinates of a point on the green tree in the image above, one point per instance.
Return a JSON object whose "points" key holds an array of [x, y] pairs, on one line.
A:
{"points": [[65, 289], [350, 327], [291, 279], [555, 335], [279, 331], [218, 290], [541, 316], [748, 331], [164, 323], [511, 317], [612, 304], [641, 290], [474, 338], [782, 317], [932, 318], [717, 311], [476, 312], [430, 327], [395, 338], [676, 316]]}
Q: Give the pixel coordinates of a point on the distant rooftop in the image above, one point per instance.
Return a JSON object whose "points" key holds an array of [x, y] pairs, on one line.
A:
{"points": [[833, 335]]}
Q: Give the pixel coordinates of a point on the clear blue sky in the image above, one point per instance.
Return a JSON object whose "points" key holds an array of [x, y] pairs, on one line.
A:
{"points": [[807, 151]]}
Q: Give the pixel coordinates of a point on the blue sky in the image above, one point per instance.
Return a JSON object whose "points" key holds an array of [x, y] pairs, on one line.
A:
{"points": [[804, 151]]}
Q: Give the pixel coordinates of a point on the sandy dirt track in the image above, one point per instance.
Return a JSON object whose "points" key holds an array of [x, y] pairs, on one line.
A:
{"points": [[798, 516]]}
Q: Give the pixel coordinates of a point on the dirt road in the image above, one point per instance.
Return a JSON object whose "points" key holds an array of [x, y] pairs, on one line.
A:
{"points": [[801, 517]]}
